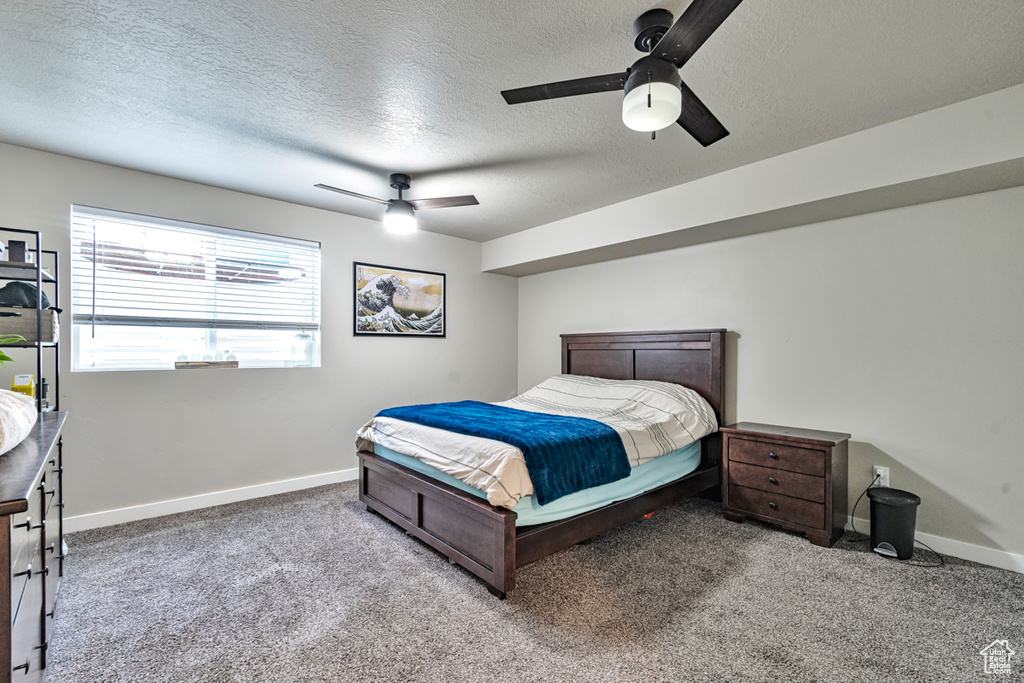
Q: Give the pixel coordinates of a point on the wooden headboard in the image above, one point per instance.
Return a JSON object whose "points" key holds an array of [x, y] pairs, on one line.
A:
{"points": [[693, 358]]}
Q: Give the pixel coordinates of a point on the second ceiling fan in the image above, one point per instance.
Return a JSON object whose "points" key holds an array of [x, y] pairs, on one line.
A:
{"points": [[655, 95], [400, 216]]}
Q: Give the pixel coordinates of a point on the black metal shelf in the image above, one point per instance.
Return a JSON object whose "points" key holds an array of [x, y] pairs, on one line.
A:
{"points": [[35, 272]]}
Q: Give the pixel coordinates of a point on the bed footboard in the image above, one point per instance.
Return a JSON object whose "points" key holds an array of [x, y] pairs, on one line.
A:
{"points": [[476, 535]]}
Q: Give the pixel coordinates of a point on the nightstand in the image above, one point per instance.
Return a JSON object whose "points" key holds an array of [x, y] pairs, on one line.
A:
{"points": [[794, 478]]}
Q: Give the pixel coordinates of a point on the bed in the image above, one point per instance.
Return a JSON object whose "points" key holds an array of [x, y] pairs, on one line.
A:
{"points": [[483, 538]]}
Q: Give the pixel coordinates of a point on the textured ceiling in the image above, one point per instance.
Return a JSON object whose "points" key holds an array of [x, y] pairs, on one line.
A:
{"points": [[272, 96]]}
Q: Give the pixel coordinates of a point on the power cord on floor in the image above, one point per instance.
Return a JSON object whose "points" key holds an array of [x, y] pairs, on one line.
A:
{"points": [[853, 524], [853, 515], [929, 565]]}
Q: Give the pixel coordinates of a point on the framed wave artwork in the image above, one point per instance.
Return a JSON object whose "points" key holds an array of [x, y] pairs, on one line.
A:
{"points": [[397, 302]]}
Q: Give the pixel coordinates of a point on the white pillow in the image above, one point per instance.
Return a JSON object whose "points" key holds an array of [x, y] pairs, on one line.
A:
{"points": [[17, 417]]}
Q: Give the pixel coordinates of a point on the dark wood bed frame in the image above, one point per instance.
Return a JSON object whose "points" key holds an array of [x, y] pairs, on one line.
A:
{"points": [[483, 538]]}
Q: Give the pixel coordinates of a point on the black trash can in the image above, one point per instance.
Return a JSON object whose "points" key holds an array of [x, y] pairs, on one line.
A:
{"points": [[893, 519]]}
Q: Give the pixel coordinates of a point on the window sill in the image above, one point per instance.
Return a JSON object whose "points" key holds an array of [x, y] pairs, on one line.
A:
{"points": [[204, 364]]}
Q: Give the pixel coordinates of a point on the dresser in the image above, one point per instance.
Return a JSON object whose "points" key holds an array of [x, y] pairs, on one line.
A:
{"points": [[794, 478], [31, 550]]}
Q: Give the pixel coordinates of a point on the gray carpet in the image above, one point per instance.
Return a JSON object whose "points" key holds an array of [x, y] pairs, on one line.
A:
{"points": [[308, 586]]}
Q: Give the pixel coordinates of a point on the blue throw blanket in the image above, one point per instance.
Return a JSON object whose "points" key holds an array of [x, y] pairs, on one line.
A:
{"points": [[563, 454]]}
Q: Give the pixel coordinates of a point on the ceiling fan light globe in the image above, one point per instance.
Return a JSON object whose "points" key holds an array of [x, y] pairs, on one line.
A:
{"points": [[666, 104], [400, 218]]}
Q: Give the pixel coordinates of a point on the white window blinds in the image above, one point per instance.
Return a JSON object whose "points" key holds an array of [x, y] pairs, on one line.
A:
{"points": [[130, 271]]}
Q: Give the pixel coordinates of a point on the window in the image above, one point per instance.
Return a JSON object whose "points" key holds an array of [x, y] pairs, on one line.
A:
{"points": [[148, 292]]}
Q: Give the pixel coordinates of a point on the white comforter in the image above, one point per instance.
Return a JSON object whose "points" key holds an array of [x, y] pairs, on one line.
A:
{"points": [[653, 419]]}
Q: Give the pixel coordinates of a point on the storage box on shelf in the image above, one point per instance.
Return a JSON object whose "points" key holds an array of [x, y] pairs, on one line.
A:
{"points": [[23, 322]]}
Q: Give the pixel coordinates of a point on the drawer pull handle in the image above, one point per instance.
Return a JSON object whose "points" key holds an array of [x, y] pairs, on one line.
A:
{"points": [[50, 547], [773, 480], [26, 524], [27, 572], [41, 525], [773, 456], [22, 666], [51, 492], [43, 572], [773, 506]]}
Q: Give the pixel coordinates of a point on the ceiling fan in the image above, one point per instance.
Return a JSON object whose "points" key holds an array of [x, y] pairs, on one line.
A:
{"points": [[655, 95], [400, 216]]}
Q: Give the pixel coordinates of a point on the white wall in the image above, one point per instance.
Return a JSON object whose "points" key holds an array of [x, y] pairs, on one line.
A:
{"points": [[902, 327], [141, 437]]}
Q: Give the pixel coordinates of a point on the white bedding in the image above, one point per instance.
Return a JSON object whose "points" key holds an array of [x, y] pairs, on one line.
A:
{"points": [[652, 418], [17, 417]]}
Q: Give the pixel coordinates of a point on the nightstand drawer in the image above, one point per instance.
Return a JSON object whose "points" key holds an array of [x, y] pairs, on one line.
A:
{"points": [[791, 484], [795, 510], [777, 456]]}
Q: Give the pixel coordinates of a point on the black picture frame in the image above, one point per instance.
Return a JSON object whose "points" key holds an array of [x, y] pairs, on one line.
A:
{"points": [[370, 317]]}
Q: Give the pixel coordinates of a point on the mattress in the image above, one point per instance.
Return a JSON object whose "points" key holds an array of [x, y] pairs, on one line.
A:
{"points": [[653, 420], [649, 475]]}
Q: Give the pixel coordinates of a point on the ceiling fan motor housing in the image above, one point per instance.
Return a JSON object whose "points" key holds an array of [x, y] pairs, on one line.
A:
{"points": [[649, 27], [653, 70]]}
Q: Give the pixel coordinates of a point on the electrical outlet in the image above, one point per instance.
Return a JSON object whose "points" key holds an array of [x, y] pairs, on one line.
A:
{"points": [[881, 474]]}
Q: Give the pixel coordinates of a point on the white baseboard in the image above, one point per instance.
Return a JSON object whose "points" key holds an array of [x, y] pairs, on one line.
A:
{"points": [[169, 507], [965, 551]]}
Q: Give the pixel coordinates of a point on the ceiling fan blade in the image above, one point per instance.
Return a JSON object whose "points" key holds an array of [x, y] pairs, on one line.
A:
{"points": [[698, 120], [578, 86], [697, 23], [443, 202], [351, 194]]}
